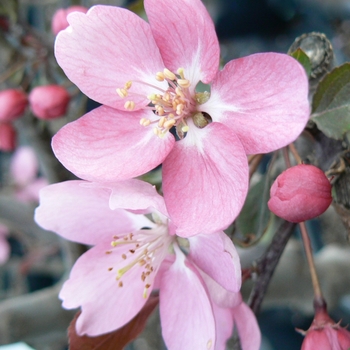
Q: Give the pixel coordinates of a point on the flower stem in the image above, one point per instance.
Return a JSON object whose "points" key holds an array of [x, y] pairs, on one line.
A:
{"points": [[310, 260]]}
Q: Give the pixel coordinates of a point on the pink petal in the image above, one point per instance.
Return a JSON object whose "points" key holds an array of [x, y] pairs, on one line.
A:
{"points": [[105, 305], [136, 195], [185, 309], [105, 48], [216, 255], [224, 326], [82, 214], [24, 165], [109, 145], [4, 245], [205, 180], [30, 193], [263, 98], [247, 326], [186, 37]]}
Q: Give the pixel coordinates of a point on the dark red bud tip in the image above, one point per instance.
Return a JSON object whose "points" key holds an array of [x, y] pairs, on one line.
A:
{"points": [[300, 193]]}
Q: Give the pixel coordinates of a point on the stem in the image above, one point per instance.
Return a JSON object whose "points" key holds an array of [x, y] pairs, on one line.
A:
{"points": [[310, 260], [295, 153], [254, 163], [266, 265]]}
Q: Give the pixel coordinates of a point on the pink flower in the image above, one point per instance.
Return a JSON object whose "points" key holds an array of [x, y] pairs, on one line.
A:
{"points": [[257, 104], [24, 170], [59, 19], [8, 137], [13, 102], [133, 255], [49, 102], [300, 193], [325, 334]]}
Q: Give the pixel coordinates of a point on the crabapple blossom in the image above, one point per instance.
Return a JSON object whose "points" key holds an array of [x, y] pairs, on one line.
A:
{"points": [[49, 102], [133, 255], [146, 77], [13, 102], [300, 193], [59, 19]]}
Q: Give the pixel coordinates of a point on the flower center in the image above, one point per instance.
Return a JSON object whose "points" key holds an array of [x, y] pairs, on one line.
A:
{"points": [[171, 106], [146, 250]]}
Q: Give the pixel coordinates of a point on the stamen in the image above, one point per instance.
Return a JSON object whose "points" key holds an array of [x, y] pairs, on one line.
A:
{"points": [[122, 93], [168, 74], [185, 128], [184, 83], [160, 76], [129, 105]]}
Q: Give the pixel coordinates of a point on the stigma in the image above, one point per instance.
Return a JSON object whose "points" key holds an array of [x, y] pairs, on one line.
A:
{"points": [[171, 106]]}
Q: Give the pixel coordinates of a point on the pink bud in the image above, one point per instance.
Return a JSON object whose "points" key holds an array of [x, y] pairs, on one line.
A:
{"points": [[325, 334], [59, 19], [300, 193], [49, 102], [7, 137], [12, 104]]}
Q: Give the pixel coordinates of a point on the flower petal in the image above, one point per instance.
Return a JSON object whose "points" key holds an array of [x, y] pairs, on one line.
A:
{"points": [[82, 214], [263, 98], [185, 309], [186, 37], [106, 306], [216, 255], [205, 180], [104, 49], [136, 195], [24, 166], [247, 326], [224, 326], [107, 145]]}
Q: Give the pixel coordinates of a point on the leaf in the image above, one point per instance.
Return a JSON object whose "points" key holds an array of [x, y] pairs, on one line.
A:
{"points": [[331, 103], [303, 59], [116, 340]]}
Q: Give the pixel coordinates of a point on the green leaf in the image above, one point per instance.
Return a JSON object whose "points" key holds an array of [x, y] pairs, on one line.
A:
{"points": [[303, 59], [331, 103]]}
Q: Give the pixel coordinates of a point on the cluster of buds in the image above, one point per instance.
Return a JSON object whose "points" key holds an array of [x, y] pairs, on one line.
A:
{"points": [[59, 19]]}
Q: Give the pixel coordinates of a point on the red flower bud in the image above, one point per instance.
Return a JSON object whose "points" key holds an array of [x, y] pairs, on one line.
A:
{"points": [[325, 334], [300, 193], [12, 104], [59, 19], [7, 137], [49, 102]]}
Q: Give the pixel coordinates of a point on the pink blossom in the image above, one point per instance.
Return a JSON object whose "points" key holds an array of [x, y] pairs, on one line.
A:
{"points": [[300, 193], [133, 255], [8, 137], [13, 103], [59, 19], [49, 102], [256, 104], [24, 170]]}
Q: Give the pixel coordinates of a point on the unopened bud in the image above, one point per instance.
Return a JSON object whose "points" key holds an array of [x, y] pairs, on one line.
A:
{"points": [[300, 193], [7, 137], [49, 102], [12, 104]]}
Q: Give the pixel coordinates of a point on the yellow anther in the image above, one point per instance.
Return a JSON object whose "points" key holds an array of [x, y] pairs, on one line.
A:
{"points": [[181, 73], [169, 123], [156, 131], [171, 115], [166, 96], [185, 128], [160, 110], [160, 76], [184, 83], [161, 122], [168, 74], [179, 92], [145, 122], [152, 97], [127, 85], [129, 105], [122, 93], [179, 108], [120, 284]]}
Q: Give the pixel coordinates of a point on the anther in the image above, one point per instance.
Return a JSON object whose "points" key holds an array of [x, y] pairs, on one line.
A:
{"points": [[110, 268], [181, 73], [168, 74], [160, 76], [127, 85], [108, 252], [129, 105], [184, 83], [122, 93], [114, 243], [169, 123], [161, 122], [124, 256], [185, 128], [120, 284]]}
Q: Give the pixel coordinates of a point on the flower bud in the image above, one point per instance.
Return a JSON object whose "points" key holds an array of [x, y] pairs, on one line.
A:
{"points": [[49, 102], [12, 104], [7, 137], [300, 193], [325, 334], [59, 19]]}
